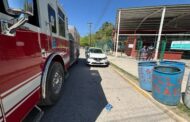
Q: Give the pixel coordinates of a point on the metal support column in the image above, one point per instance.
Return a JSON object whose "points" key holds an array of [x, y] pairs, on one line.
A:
{"points": [[118, 27], [160, 33]]}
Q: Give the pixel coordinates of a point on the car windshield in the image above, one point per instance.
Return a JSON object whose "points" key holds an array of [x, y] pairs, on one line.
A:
{"points": [[95, 51]]}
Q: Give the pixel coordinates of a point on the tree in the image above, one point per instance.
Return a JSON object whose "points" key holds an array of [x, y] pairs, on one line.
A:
{"points": [[103, 34], [84, 41]]}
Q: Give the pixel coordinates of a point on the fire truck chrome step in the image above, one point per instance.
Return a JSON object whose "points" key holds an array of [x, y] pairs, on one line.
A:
{"points": [[39, 115], [35, 115]]}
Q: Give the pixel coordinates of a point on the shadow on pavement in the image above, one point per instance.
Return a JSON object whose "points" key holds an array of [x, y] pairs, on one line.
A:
{"points": [[83, 97]]}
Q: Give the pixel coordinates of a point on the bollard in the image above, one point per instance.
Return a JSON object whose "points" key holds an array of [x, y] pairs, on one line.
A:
{"points": [[187, 93]]}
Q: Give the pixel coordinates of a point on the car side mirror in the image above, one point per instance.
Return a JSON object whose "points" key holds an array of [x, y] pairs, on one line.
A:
{"points": [[17, 7], [22, 8]]}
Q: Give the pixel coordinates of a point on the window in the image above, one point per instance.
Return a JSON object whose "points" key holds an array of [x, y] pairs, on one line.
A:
{"points": [[95, 51], [34, 20], [61, 17], [71, 37], [52, 18]]}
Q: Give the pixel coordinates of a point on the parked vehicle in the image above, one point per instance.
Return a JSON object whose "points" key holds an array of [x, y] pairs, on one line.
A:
{"points": [[86, 51], [74, 39], [34, 55], [96, 56]]}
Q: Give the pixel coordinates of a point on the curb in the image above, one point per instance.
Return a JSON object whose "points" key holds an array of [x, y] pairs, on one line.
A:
{"points": [[133, 82], [134, 77]]}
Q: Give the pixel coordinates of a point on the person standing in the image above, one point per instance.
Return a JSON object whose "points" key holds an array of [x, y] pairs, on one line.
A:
{"points": [[150, 51], [143, 53]]}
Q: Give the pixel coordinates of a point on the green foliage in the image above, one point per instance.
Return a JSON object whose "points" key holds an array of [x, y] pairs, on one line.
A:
{"points": [[103, 34], [84, 41]]}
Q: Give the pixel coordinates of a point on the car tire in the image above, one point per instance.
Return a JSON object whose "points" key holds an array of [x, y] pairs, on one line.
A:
{"points": [[54, 83], [108, 65], [88, 65]]}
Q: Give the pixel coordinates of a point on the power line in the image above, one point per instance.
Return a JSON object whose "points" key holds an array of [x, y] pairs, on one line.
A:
{"points": [[108, 3]]}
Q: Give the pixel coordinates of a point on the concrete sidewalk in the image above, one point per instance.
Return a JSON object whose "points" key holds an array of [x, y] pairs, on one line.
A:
{"points": [[130, 65]]}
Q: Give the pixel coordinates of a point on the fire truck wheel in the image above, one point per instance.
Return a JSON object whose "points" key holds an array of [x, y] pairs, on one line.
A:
{"points": [[55, 79]]}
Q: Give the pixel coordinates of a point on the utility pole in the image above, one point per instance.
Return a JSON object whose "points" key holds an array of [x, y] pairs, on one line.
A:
{"points": [[118, 28], [90, 26]]}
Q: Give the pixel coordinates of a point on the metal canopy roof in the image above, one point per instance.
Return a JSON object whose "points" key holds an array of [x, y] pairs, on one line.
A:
{"points": [[135, 20]]}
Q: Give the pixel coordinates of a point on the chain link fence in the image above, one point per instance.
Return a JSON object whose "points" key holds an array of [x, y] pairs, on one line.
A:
{"points": [[106, 45]]}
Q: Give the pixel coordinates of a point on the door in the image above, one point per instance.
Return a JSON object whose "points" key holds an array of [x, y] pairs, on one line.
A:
{"points": [[20, 61]]}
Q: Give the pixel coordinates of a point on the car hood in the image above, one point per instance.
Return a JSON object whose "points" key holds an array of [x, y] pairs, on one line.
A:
{"points": [[95, 55]]}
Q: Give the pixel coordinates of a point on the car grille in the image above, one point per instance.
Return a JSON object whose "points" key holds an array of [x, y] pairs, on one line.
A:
{"points": [[97, 59]]}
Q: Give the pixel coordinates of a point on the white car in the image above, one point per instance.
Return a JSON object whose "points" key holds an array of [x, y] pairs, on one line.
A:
{"points": [[96, 56]]}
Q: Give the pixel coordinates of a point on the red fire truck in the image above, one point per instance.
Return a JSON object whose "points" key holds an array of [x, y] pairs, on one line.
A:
{"points": [[34, 55]]}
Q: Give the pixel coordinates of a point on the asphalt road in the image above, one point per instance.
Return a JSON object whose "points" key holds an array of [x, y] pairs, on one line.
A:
{"points": [[82, 99], [89, 89]]}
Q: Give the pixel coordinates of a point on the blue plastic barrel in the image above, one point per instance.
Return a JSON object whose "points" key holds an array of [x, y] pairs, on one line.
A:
{"points": [[145, 70], [177, 64], [166, 84]]}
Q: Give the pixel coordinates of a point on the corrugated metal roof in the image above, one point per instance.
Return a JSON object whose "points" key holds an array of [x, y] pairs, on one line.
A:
{"points": [[177, 18]]}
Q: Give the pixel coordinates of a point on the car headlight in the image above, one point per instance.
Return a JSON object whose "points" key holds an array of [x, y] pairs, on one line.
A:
{"points": [[90, 59]]}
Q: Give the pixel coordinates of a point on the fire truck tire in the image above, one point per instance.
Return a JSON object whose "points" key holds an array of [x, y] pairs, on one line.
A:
{"points": [[54, 84]]}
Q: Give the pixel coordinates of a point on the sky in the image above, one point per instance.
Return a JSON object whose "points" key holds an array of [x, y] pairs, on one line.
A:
{"points": [[82, 12]]}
